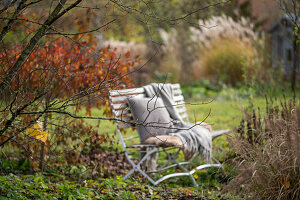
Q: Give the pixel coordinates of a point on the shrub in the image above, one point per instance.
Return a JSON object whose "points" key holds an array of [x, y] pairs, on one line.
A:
{"points": [[133, 51], [219, 48], [227, 50], [229, 61], [66, 76], [268, 153]]}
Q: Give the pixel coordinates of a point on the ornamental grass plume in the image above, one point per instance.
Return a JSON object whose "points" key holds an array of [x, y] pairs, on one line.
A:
{"points": [[268, 153], [178, 54], [170, 62], [222, 27]]}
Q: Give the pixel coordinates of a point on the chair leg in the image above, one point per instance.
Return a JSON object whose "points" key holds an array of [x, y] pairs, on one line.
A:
{"points": [[137, 167], [172, 158], [128, 174]]}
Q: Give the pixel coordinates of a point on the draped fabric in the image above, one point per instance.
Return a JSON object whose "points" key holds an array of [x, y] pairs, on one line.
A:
{"points": [[196, 139]]}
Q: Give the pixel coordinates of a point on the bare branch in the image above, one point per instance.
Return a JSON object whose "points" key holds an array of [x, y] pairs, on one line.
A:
{"points": [[171, 21], [84, 32], [10, 22], [56, 14], [7, 6], [17, 113]]}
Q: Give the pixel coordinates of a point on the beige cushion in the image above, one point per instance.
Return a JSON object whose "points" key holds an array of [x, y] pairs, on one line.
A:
{"points": [[150, 112]]}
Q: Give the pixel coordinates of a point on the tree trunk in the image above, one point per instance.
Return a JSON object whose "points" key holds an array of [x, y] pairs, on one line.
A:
{"points": [[295, 63]]}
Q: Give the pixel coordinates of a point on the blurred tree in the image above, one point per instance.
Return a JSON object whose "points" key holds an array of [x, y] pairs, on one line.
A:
{"points": [[292, 9], [141, 19], [43, 75], [45, 72]]}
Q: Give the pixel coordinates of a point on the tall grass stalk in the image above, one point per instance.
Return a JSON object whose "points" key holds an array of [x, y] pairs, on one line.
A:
{"points": [[269, 153]]}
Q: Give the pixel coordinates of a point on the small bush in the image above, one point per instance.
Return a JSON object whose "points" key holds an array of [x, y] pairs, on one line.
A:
{"points": [[269, 154], [227, 50], [229, 61]]}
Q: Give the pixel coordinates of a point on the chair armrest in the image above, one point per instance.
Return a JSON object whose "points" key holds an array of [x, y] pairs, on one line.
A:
{"points": [[218, 133]]}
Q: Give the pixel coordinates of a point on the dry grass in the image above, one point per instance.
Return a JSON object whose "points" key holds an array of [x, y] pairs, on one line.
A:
{"points": [[269, 154], [223, 27]]}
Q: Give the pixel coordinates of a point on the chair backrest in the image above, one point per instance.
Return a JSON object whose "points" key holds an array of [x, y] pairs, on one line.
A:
{"points": [[122, 111]]}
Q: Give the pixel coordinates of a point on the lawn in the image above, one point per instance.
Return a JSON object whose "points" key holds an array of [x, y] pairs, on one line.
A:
{"points": [[222, 112]]}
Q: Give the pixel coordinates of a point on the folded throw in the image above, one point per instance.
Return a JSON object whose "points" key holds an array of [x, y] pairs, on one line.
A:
{"points": [[196, 139]]}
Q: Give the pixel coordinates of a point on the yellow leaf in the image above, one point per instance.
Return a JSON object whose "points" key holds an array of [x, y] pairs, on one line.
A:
{"points": [[37, 132], [195, 176], [287, 184]]}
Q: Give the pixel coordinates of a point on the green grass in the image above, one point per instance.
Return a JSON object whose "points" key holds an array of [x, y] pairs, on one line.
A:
{"points": [[222, 113], [55, 186]]}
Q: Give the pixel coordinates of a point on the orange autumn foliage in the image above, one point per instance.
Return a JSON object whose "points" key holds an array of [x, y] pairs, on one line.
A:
{"points": [[66, 69]]}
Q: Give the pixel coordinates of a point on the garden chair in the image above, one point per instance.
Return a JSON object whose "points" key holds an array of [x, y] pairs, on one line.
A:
{"points": [[124, 121]]}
